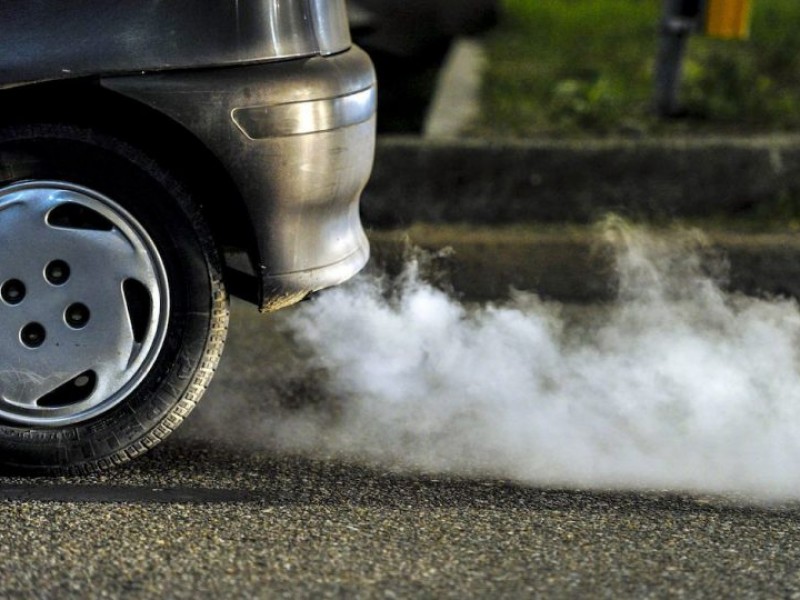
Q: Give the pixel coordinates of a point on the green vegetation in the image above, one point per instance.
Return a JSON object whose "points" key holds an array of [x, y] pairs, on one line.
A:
{"points": [[584, 67]]}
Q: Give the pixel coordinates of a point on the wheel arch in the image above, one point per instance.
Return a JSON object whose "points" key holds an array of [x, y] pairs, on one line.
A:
{"points": [[86, 103]]}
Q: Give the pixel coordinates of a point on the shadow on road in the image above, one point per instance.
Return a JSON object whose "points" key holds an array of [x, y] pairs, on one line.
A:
{"points": [[194, 471]]}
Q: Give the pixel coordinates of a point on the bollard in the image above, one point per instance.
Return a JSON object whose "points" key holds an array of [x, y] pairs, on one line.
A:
{"points": [[680, 18], [727, 19]]}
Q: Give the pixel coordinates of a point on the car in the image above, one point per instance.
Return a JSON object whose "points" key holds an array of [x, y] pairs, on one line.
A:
{"points": [[408, 40], [155, 158], [416, 28]]}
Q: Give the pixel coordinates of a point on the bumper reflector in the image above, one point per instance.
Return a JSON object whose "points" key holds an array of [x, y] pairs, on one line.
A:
{"points": [[310, 116]]}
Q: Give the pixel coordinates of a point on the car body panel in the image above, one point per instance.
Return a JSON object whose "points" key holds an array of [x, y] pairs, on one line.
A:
{"points": [[417, 28], [299, 160], [271, 88], [47, 40]]}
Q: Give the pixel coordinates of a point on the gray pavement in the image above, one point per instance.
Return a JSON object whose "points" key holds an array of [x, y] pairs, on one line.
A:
{"points": [[321, 529], [215, 513]]}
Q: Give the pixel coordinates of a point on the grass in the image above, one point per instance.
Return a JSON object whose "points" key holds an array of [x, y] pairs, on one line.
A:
{"points": [[584, 67]]}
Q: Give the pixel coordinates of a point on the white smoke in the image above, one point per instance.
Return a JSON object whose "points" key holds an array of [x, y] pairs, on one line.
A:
{"points": [[676, 385]]}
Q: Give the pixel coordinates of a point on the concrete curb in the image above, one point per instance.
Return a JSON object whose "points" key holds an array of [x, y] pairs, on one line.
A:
{"points": [[456, 102], [575, 264], [491, 182]]}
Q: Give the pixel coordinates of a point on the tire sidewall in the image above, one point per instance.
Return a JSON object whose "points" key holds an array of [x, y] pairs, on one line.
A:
{"points": [[165, 211]]}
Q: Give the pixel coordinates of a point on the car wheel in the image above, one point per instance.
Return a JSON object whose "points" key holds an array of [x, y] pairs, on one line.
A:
{"points": [[113, 312]]}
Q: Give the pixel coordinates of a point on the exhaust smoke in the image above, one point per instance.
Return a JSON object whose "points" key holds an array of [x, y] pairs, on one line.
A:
{"points": [[676, 385]]}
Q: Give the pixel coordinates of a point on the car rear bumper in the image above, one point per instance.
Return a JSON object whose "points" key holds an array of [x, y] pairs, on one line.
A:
{"points": [[298, 139]]}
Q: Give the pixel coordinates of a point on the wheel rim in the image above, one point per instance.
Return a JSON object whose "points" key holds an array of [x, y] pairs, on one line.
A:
{"points": [[84, 303]]}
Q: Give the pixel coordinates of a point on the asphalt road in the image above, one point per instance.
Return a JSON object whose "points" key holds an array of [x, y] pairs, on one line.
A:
{"points": [[211, 513]]}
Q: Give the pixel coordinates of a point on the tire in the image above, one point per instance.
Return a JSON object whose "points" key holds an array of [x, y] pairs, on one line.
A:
{"points": [[113, 312]]}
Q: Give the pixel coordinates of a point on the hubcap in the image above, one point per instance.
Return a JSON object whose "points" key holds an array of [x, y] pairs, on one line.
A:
{"points": [[84, 303]]}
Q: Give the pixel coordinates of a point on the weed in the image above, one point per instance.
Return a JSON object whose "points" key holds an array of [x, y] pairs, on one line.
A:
{"points": [[585, 67]]}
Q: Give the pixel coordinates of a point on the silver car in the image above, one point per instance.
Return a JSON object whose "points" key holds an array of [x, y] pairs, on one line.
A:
{"points": [[154, 157]]}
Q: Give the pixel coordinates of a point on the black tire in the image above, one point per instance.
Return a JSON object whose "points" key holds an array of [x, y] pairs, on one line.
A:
{"points": [[192, 332]]}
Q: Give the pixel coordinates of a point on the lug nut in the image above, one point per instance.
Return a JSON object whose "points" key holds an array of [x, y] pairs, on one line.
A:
{"points": [[76, 315], [13, 291], [57, 272], [32, 335]]}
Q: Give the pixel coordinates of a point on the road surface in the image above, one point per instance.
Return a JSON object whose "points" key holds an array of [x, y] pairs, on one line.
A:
{"points": [[209, 515]]}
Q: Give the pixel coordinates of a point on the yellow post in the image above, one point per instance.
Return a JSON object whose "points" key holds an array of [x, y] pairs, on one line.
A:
{"points": [[729, 19]]}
